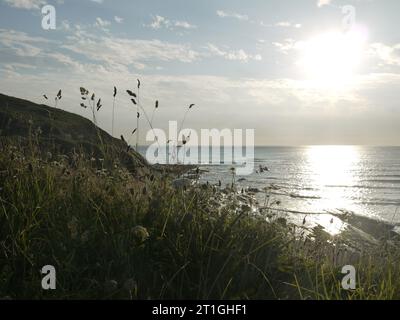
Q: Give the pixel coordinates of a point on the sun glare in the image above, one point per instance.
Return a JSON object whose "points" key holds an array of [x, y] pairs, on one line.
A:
{"points": [[332, 168], [331, 59]]}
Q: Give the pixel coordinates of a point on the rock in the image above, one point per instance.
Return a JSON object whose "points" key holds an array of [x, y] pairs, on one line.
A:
{"points": [[181, 183]]}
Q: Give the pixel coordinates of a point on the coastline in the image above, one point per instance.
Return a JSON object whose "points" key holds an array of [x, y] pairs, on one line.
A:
{"points": [[115, 227], [356, 231], [136, 234]]}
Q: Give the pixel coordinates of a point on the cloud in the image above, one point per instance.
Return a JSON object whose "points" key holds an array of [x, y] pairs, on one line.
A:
{"points": [[21, 44], [105, 52], [65, 25], [387, 55], [118, 19], [287, 24], [34, 51], [238, 55], [160, 22], [322, 3], [184, 24], [102, 23], [224, 14], [25, 4], [269, 103], [288, 45], [118, 52]]}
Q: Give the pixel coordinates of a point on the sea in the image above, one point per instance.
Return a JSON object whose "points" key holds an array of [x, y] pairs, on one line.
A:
{"points": [[316, 181]]}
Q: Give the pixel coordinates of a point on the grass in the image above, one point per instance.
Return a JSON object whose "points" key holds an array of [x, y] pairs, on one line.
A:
{"points": [[113, 110], [116, 228], [113, 234]]}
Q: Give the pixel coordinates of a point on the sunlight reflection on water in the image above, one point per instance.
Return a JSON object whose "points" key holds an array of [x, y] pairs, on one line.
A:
{"points": [[333, 166], [321, 183]]}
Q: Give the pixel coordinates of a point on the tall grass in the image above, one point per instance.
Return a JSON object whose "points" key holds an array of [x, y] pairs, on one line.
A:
{"points": [[113, 111], [112, 233], [135, 100], [57, 98], [94, 107], [133, 234], [154, 112], [185, 116]]}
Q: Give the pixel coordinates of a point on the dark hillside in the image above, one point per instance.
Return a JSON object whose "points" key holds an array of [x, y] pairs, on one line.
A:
{"points": [[60, 131]]}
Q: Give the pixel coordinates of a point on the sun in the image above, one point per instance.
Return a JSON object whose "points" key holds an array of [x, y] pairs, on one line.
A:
{"points": [[332, 58]]}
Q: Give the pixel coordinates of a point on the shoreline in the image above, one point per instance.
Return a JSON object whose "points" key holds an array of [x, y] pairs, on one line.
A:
{"points": [[356, 227]]}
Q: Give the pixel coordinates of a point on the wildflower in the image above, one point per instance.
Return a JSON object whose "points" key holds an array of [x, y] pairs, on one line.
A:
{"points": [[140, 234]]}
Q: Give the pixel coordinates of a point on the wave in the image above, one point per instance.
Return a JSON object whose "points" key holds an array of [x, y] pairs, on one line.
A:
{"points": [[381, 203], [388, 176], [299, 196], [362, 187], [382, 181]]}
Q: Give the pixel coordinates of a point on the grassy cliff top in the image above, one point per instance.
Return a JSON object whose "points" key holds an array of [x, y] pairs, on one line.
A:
{"points": [[61, 131]]}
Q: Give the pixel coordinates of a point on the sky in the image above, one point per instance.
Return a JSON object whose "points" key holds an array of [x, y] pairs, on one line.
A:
{"points": [[297, 72]]}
